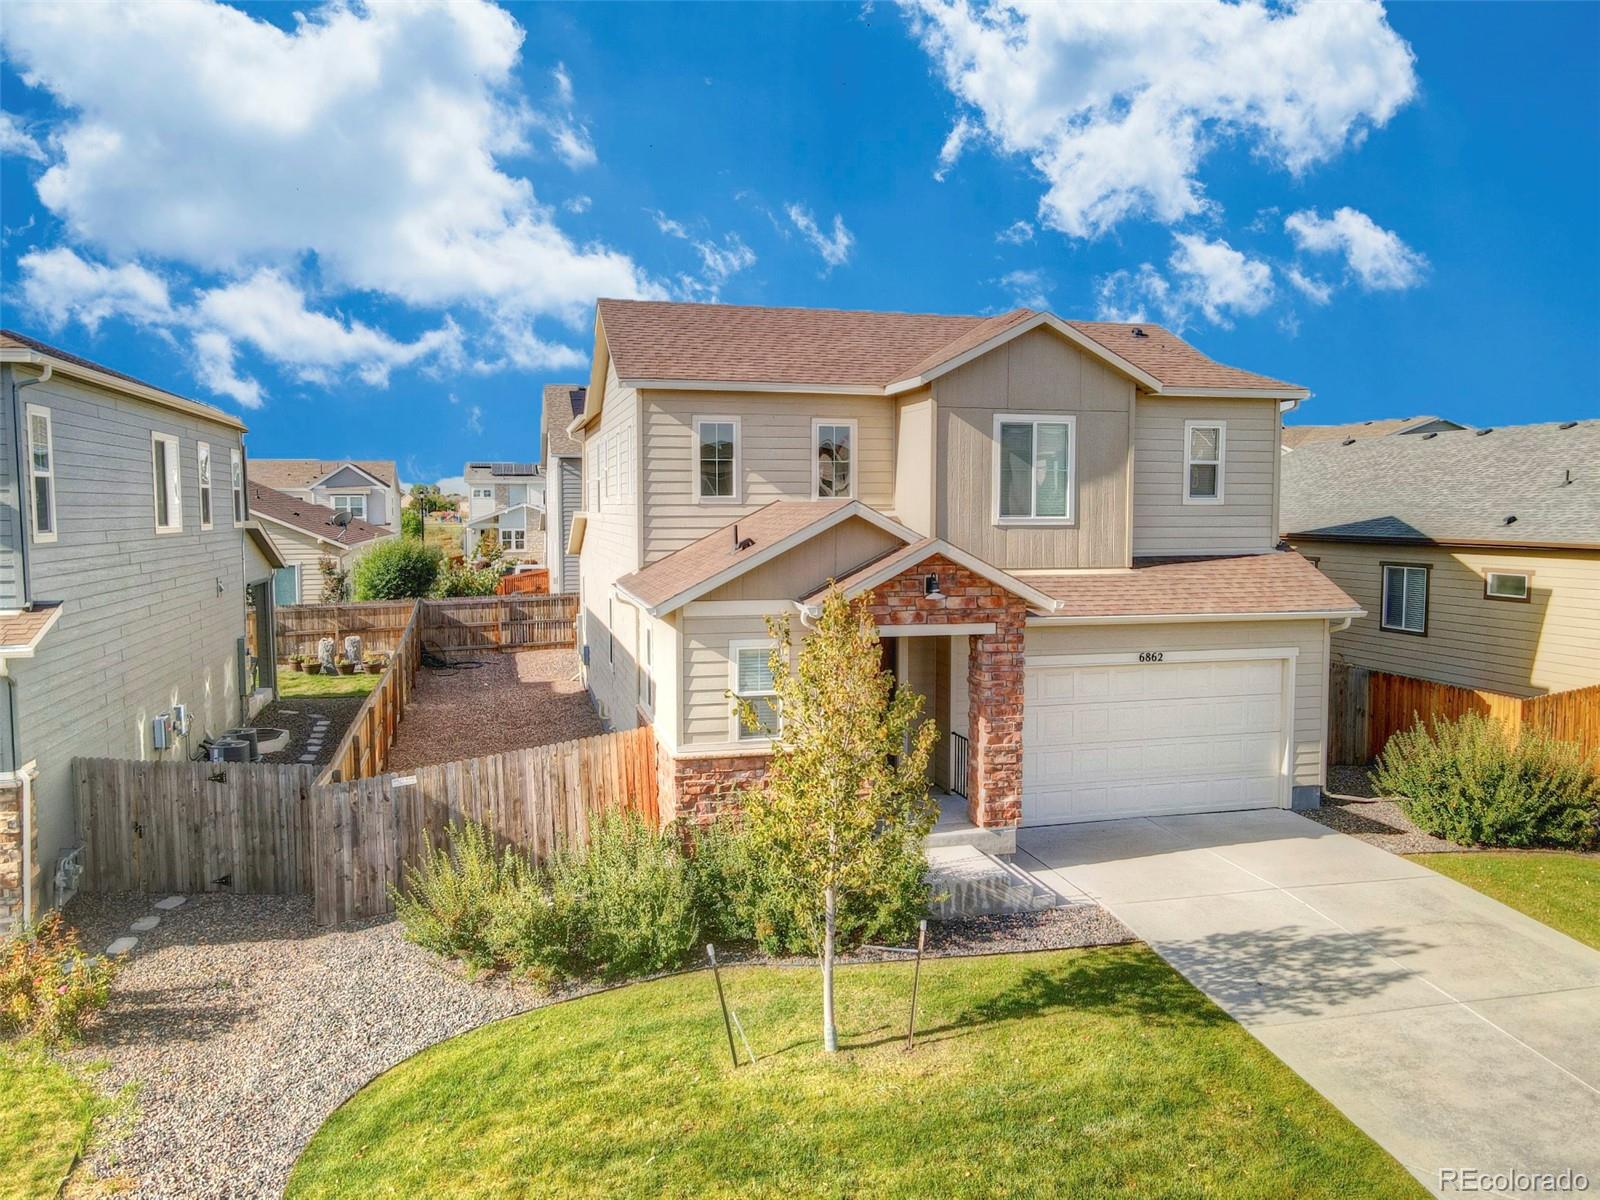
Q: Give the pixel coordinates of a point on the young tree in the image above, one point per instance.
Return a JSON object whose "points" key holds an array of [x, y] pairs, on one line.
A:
{"points": [[846, 793], [489, 546], [335, 580]]}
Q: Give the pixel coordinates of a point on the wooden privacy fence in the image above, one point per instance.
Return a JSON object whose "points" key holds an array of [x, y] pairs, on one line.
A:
{"points": [[260, 828], [364, 749], [530, 583], [1367, 708], [518, 622], [194, 827], [366, 833], [380, 623]]}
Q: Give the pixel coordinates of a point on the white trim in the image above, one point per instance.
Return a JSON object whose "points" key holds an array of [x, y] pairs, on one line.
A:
{"points": [[500, 512], [735, 647], [1189, 461], [1197, 618], [203, 492], [170, 484], [1527, 585], [1038, 320], [644, 673], [816, 461], [1070, 420], [299, 582], [1405, 593], [343, 464], [374, 540], [738, 460], [333, 503], [46, 536], [894, 565], [722, 385], [238, 503], [580, 523], [972, 629], [128, 387], [730, 608], [1290, 393]]}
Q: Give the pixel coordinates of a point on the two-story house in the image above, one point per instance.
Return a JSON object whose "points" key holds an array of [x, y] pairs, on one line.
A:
{"points": [[310, 536], [368, 489], [132, 583], [1069, 528], [561, 456], [506, 500]]}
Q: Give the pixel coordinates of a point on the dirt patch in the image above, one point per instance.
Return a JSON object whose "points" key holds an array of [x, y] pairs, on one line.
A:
{"points": [[492, 701]]}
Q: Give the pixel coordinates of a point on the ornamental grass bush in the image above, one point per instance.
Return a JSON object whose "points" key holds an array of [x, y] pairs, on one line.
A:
{"points": [[452, 898], [399, 569], [1469, 781], [48, 986]]}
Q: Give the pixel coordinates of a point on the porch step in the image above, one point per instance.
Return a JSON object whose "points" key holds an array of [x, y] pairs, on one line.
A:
{"points": [[954, 829], [976, 884]]}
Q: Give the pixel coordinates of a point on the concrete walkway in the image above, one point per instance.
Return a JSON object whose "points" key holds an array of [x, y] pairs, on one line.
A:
{"points": [[1458, 1033]]}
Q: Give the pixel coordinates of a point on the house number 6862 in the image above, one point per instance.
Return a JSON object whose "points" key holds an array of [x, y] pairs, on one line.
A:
{"points": [[1150, 656]]}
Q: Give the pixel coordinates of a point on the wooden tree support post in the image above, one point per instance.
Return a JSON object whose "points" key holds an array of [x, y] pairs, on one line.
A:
{"points": [[916, 979]]}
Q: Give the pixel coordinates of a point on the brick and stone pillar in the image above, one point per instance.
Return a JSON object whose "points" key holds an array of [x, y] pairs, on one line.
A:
{"points": [[995, 669], [11, 858]]}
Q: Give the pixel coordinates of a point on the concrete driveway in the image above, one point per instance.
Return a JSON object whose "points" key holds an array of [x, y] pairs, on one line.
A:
{"points": [[1458, 1033]]}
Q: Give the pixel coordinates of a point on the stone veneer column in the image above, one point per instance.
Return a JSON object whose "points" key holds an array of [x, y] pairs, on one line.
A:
{"points": [[11, 890], [995, 670]]}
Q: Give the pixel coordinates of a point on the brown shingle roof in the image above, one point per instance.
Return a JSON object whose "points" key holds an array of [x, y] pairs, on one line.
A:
{"points": [[562, 402], [23, 630], [316, 519], [303, 472], [1278, 582], [725, 343], [1295, 436]]}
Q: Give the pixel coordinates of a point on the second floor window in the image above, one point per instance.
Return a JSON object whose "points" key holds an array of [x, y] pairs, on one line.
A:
{"points": [[1204, 446], [1035, 468], [168, 488], [237, 481], [204, 479], [42, 470], [834, 442], [356, 506], [717, 458], [1405, 598]]}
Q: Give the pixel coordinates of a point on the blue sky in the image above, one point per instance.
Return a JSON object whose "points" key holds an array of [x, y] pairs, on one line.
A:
{"points": [[377, 231]]}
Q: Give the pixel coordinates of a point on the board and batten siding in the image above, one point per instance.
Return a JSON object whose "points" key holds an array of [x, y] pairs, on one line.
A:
{"points": [[832, 554], [148, 620], [776, 457], [1039, 372], [1549, 644], [1246, 520]]}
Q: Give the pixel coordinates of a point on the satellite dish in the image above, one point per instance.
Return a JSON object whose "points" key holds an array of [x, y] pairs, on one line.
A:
{"points": [[341, 517]]}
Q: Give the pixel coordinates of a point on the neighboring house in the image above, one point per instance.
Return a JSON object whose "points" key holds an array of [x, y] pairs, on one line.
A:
{"points": [[505, 499], [132, 580], [365, 488], [1070, 530], [1475, 553], [561, 455], [307, 534], [1295, 436]]}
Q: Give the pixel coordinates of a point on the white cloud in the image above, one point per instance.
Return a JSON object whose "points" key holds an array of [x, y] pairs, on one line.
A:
{"points": [[452, 485], [577, 204], [1316, 290], [1209, 278], [366, 135], [667, 225], [568, 135], [718, 260], [214, 355], [523, 349], [1029, 289], [14, 139], [954, 143], [61, 286], [1133, 295], [835, 247], [1117, 105], [1377, 257], [1015, 233], [474, 419]]}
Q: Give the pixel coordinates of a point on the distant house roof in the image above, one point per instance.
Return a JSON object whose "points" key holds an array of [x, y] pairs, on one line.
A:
{"points": [[500, 512], [500, 470], [16, 346], [1295, 436], [318, 520], [303, 472], [664, 341], [562, 403], [1519, 485]]}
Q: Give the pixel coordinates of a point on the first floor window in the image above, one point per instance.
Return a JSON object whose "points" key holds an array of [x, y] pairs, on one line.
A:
{"points": [[237, 478], [717, 458], [1203, 451], [168, 488], [1036, 468], [513, 539], [834, 440], [286, 586], [1405, 598], [42, 471], [611, 632], [204, 479], [647, 682], [752, 681], [356, 506], [1502, 585]]}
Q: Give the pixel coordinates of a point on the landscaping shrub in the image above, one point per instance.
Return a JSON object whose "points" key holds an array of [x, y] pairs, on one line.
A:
{"points": [[450, 902], [465, 580], [401, 569], [335, 581], [48, 985], [1467, 780], [411, 523]]}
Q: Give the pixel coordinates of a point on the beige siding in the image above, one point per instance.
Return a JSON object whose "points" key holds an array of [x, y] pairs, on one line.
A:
{"points": [[1038, 372], [707, 709], [306, 552], [1246, 520], [810, 565], [775, 457], [1550, 644], [1306, 637], [915, 482]]}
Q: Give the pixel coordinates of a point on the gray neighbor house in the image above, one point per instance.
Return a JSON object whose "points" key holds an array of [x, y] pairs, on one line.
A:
{"points": [[131, 577], [562, 457]]}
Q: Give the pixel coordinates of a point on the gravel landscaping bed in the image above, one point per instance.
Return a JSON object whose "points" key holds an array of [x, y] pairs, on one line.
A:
{"points": [[299, 717], [1351, 805], [242, 1025], [493, 701]]}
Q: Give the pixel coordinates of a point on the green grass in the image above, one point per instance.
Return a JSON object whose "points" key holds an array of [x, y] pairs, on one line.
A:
{"points": [[293, 684], [1073, 1073], [446, 537], [48, 1112], [1562, 890]]}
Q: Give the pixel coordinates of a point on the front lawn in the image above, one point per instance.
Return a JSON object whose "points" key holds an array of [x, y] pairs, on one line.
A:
{"points": [[48, 1114], [294, 684], [1072, 1073], [1562, 890]]}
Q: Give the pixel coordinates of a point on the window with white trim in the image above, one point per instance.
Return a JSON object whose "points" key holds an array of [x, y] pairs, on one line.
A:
{"points": [[1506, 585], [751, 664], [168, 486], [611, 632], [1205, 446], [591, 467], [203, 478], [356, 506], [833, 444], [647, 680], [1035, 475], [286, 585], [716, 441], [42, 473], [513, 539], [237, 478], [1405, 598]]}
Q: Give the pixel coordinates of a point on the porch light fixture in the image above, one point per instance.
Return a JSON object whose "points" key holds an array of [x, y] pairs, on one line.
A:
{"points": [[930, 587]]}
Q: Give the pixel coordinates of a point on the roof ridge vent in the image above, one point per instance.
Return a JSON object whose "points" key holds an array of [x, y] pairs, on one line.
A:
{"points": [[1348, 442], [1481, 432], [1429, 436], [1567, 425]]}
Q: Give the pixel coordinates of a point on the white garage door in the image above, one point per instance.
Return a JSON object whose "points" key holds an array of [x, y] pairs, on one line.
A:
{"points": [[1132, 739]]}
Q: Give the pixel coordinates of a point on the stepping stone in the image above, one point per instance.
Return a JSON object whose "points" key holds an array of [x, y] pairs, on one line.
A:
{"points": [[122, 945], [308, 758], [171, 902], [145, 924]]}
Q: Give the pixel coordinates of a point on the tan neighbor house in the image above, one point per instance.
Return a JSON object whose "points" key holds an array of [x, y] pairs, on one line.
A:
{"points": [[305, 535], [1476, 553], [368, 489], [1069, 530]]}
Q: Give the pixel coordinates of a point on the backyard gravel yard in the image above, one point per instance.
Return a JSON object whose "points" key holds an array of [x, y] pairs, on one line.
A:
{"points": [[302, 718], [1351, 805], [243, 1025], [493, 701]]}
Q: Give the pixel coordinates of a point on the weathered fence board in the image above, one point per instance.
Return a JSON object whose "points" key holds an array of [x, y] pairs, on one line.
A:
{"points": [[519, 622], [364, 749], [380, 624]]}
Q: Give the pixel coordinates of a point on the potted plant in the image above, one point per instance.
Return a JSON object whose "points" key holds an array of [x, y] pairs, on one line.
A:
{"points": [[375, 664], [346, 667], [313, 666], [297, 662]]}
